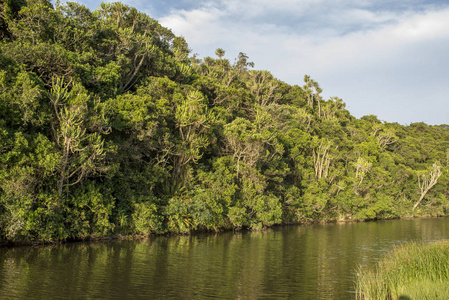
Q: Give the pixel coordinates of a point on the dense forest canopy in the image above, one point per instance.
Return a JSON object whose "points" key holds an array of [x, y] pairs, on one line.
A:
{"points": [[109, 125]]}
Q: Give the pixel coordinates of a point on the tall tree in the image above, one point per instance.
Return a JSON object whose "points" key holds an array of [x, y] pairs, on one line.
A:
{"points": [[82, 152], [427, 180]]}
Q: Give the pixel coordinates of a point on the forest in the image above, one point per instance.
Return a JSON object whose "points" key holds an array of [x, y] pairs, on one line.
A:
{"points": [[110, 125]]}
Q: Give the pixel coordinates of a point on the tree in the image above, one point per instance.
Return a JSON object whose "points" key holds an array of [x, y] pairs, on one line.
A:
{"points": [[193, 121], [331, 108], [220, 53], [427, 180], [82, 152], [313, 91], [362, 166], [243, 142], [322, 158], [308, 89], [385, 136], [242, 63], [264, 87]]}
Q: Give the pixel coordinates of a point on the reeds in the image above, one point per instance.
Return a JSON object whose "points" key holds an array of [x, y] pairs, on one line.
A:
{"points": [[410, 271]]}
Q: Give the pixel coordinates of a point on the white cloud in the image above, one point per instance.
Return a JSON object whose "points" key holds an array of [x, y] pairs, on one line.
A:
{"points": [[188, 24], [233, 22]]}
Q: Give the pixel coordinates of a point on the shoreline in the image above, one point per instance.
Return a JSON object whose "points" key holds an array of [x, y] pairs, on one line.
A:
{"points": [[143, 236]]}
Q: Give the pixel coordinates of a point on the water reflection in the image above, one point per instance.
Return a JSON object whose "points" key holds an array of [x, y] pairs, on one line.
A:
{"points": [[296, 262]]}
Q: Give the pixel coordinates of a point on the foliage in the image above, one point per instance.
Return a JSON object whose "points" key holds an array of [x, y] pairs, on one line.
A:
{"points": [[109, 126], [410, 271]]}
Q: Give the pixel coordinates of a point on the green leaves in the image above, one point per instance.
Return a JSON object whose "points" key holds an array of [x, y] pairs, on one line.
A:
{"points": [[193, 122], [108, 126], [81, 152], [35, 23]]}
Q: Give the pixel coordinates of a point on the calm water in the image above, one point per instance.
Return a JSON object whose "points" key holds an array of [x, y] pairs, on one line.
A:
{"points": [[295, 262]]}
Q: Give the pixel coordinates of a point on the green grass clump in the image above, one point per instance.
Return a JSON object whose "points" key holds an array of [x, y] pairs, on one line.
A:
{"points": [[410, 271]]}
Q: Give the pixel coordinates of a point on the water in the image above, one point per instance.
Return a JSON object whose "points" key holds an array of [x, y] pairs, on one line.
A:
{"points": [[294, 262]]}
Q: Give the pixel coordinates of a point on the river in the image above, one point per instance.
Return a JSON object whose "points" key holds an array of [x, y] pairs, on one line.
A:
{"points": [[291, 262]]}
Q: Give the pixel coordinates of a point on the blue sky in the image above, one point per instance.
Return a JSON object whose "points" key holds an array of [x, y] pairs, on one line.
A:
{"points": [[382, 57]]}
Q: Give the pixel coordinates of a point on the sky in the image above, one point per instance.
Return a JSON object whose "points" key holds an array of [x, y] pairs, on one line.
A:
{"points": [[386, 58]]}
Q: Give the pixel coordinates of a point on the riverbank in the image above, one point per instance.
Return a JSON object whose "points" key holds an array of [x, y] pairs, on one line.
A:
{"points": [[410, 271], [141, 236]]}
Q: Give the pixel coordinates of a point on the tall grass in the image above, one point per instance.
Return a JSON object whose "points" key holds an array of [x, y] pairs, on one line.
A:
{"points": [[410, 271]]}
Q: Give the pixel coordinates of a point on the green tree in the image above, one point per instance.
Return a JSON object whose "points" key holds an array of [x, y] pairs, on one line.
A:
{"points": [[82, 153]]}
